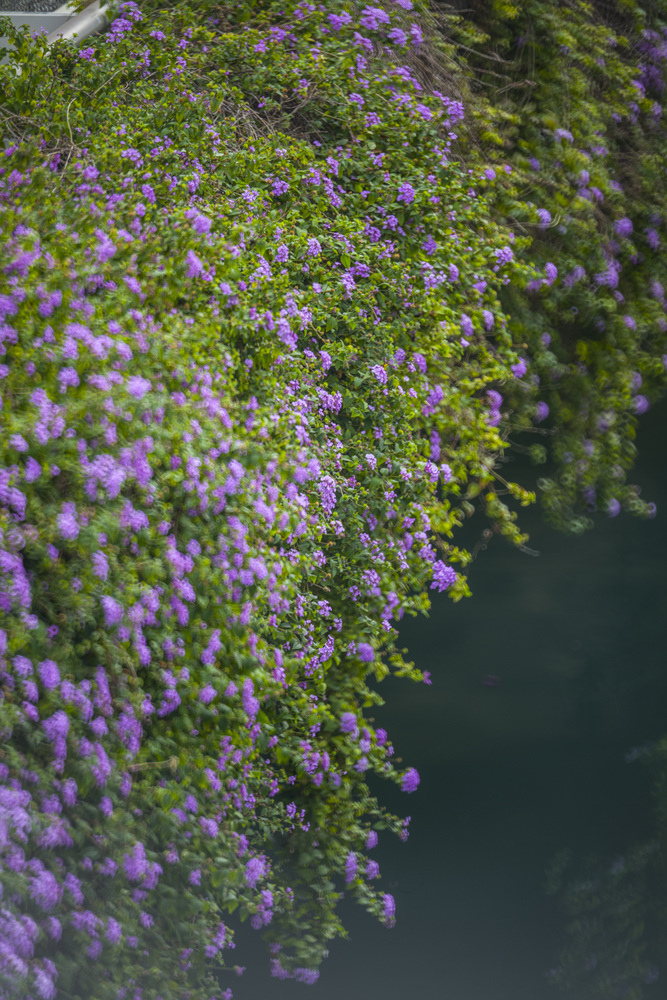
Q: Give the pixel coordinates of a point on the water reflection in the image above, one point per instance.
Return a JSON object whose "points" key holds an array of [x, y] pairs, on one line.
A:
{"points": [[612, 926]]}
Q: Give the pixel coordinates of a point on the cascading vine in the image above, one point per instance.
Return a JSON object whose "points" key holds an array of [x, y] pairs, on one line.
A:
{"points": [[269, 314]]}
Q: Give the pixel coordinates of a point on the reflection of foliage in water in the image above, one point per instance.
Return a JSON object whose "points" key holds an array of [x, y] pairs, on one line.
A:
{"points": [[615, 910]]}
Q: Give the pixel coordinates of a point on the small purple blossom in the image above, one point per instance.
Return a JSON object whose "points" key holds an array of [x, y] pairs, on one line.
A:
{"points": [[372, 869], [255, 870], [138, 386], [410, 780], [389, 906], [66, 521], [348, 724], [207, 694], [466, 325], [623, 227], [113, 611], [541, 412], [551, 272], [443, 576], [49, 674]]}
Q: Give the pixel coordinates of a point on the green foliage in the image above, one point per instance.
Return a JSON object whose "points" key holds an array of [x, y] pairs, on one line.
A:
{"points": [[268, 327], [570, 96]]}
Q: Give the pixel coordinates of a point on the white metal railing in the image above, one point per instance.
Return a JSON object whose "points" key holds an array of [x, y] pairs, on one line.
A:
{"points": [[61, 23]]}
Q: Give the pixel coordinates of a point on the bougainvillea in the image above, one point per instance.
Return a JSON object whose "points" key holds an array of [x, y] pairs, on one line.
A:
{"points": [[259, 361]]}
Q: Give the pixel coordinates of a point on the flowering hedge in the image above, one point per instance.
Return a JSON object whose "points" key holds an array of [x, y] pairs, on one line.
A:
{"points": [[261, 357]]}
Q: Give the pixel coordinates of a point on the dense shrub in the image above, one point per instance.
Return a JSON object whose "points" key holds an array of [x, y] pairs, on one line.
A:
{"points": [[266, 333]]}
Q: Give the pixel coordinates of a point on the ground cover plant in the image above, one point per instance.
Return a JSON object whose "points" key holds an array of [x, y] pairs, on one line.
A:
{"points": [[275, 307]]}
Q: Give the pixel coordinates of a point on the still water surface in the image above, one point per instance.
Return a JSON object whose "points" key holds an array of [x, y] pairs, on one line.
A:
{"points": [[513, 773]]}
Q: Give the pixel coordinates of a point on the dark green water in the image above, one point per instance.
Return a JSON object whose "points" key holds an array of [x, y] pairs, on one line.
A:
{"points": [[514, 773]]}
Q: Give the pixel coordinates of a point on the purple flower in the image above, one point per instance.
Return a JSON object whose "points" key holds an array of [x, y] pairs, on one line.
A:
{"points": [[371, 840], [207, 694], [406, 193], [443, 576], [106, 806], [255, 869], [67, 523], [138, 386], [640, 404], [544, 216], [350, 867], [541, 412], [623, 227], [113, 611], [652, 239], [73, 886], [389, 909], [314, 247], [613, 507], [194, 265], [466, 325], [410, 780], [67, 377], [520, 369], [54, 928], [22, 665], [250, 703], [348, 724], [551, 272], [338, 20], [365, 652], [209, 826], [397, 36], [562, 133], [33, 470], [114, 931], [49, 673], [100, 564], [108, 867], [327, 489], [504, 255], [44, 889], [136, 864], [373, 17], [372, 869], [18, 442]]}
